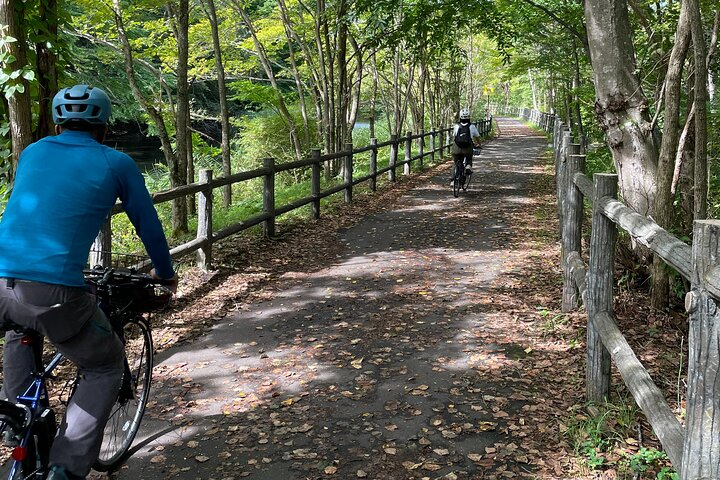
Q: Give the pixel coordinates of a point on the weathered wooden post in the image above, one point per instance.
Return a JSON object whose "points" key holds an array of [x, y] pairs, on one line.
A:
{"points": [[433, 134], [408, 153], [560, 174], [448, 137], [348, 171], [204, 226], [600, 281], [701, 452], [315, 181], [101, 251], [421, 149], [572, 231], [442, 144], [269, 197], [393, 157], [373, 164]]}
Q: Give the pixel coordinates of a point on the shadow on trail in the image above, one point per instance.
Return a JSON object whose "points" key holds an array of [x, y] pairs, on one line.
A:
{"points": [[392, 361]]}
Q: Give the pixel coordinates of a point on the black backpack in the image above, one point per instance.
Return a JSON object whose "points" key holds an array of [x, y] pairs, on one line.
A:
{"points": [[462, 137]]}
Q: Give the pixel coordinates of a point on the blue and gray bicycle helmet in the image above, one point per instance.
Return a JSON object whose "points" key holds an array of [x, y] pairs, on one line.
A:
{"points": [[81, 103]]}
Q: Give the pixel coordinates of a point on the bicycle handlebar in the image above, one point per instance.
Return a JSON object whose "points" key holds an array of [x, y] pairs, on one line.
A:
{"points": [[110, 276], [130, 289]]}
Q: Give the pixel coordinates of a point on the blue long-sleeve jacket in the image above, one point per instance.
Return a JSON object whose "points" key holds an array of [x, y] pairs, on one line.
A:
{"points": [[65, 187]]}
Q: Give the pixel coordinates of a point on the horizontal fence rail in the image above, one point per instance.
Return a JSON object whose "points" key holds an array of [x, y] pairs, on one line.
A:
{"points": [[693, 449], [439, 143]]}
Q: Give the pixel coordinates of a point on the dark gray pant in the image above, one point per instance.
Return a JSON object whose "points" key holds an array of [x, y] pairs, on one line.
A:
{"points": [[71, 320]]}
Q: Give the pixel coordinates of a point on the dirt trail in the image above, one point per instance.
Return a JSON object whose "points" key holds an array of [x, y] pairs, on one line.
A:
{"points": [[399, 357]]}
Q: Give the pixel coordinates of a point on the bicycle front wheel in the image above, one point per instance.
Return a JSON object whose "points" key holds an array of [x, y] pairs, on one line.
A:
{"points": [[125, 417]]}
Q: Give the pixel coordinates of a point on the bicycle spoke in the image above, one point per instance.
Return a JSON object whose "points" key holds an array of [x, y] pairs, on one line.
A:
{"points": [[124, 421]]}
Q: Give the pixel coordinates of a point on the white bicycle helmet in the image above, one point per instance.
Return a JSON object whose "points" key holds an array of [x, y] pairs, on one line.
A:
{"points": [[465, 114], [81, 103]]}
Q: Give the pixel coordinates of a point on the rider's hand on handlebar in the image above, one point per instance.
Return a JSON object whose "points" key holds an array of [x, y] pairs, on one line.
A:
{"points": [[172, 283]]}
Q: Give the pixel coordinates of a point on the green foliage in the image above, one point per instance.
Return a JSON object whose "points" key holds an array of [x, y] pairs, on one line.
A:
{"points": [[599, 160], [601, 439], [647, 461], [11, 75], [253, 94], [265, 135]]}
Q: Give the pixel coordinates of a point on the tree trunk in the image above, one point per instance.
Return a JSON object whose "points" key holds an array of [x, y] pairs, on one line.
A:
{"points": [[580, 130], [222, 93], [19, 105], [663, 203], [153, 113], [341, 93], [267, 67], [701, 165], [296, 74], [46, 67], [182, 118], [373, 97], [621, 106]]}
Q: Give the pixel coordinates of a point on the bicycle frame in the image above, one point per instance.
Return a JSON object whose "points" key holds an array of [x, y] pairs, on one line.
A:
{"points": [[35, 400]]}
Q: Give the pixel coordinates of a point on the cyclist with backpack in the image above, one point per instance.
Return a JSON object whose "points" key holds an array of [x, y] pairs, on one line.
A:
{"points": [[466, 136], [65, 187]]}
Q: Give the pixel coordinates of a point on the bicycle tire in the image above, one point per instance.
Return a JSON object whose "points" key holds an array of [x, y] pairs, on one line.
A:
{"points": [[466, 184], [128, 410], [456, 182], [36, 461]]}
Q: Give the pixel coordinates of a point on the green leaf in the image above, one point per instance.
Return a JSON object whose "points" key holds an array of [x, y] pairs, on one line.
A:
{"points": [[29, 75]]}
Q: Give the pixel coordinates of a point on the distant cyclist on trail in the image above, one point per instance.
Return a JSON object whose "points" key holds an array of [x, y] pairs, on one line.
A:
{"points": [[65, 187], [466, 136]]}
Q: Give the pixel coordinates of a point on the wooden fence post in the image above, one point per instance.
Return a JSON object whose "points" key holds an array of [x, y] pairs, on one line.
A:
{"points": [[101, 250], [701, 452], [315, 184], [448, 137], [560, 173], [572, 231], [442, 144], [348, 170], [408, 153], [599, 294], [269, 197], [393, 157], [421, 149], [433, 134], [204, 226], [373, 164]]}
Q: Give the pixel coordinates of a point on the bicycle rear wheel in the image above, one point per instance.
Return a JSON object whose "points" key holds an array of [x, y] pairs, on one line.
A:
{"points": [[33, 455], [125, 417], [30, 467], [466, 184], [456, 182]]}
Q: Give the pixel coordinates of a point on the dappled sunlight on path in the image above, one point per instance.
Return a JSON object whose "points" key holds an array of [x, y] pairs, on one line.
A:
{"points": [[395, 360]]}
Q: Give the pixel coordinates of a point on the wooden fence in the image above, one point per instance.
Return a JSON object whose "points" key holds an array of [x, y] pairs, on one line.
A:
{"points": [[439, 141], [693, 448]]}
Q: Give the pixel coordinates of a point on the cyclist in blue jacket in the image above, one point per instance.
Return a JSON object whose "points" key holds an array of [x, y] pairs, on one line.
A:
{"points": [[64, 189]]}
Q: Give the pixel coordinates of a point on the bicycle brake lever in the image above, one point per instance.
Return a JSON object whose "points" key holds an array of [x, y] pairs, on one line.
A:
{"points": [[107, 275]]}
